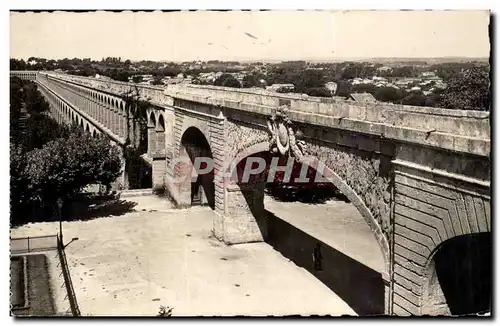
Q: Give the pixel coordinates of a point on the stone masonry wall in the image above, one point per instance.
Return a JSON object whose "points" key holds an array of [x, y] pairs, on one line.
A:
{"points": [[430, 208], [368, 174]]}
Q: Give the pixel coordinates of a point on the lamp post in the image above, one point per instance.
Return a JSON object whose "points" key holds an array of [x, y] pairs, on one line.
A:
{"points": [[59, 206]]}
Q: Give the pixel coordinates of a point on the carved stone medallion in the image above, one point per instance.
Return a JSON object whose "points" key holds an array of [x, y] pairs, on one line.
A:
{"points": [[282, 136]]}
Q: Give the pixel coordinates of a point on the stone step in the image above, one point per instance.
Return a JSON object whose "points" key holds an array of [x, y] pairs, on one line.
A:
{"points": [[136, 192]]}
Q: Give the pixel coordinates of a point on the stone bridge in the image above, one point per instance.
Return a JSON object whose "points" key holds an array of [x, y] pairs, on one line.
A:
{"points": [[419, 176]]}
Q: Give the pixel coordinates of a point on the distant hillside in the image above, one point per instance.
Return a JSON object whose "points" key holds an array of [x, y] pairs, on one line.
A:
{"points": [[387, 61], [399, 60], [428, 60]]}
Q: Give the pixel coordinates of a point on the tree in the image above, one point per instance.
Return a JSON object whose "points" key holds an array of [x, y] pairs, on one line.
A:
{"points": [[319, 91], [119, 75], [157, 81], [468, 91], [62, 168], [16, 101], [41, 129], [254, 79], [389, 94], [18, 64], [137, 79], [227, 80], [35, 102], [20, 194], [415, 98], [308, 79], [344, 88]]}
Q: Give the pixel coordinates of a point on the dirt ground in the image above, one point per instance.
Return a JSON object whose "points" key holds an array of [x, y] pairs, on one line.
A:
{"points": [[337, 223], [129, 265]]}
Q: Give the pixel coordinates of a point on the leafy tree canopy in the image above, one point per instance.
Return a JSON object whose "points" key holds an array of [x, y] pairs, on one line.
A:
{"points": [[227, 80], [470, 90]]}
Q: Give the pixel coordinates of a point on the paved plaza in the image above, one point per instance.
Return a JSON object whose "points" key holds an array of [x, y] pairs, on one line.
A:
{"points": [[132, 264]]}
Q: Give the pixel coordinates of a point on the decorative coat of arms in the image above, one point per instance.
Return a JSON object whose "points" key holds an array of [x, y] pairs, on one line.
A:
{"points": [[283, 137]]}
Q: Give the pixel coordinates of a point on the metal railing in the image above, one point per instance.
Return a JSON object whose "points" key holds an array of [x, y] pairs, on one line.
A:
{"points": [[33, 244], [75, 310]]}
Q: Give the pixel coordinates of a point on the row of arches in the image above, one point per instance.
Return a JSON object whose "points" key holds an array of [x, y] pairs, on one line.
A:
{"points": [[202, 190], [64, 114], [457, 279], [144, 128], [96, 112], [108, 111], [26, 75]]}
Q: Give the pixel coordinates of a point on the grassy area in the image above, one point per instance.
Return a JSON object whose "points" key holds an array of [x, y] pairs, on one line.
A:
{"points": [[17, 298], [39, 294]]}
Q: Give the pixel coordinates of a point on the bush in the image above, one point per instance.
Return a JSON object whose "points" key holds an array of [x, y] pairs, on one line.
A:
{"points": [[165, 311], [227, 80], [61, 169], [470, 90]]}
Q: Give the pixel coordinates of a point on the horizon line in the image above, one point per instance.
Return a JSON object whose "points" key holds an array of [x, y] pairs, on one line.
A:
{"points": [[341, 59]]}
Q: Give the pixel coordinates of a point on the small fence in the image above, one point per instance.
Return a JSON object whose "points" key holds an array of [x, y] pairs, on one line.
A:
{"points": [[33, 244], [75, 310]]}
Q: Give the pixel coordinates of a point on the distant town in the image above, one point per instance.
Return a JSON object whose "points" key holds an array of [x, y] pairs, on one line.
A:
{"points": [[417, 82]]}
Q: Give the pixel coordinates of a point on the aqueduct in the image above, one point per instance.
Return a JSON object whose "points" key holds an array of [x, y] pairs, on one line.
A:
{"points": [[419, 176]]}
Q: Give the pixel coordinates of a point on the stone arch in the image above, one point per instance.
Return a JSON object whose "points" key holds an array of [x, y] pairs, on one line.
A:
{"points": [[81, 122], [160, 134], [193, 187], [121, 106], [94, 134], [151, 127], [249, 201], [87, 128], [444, 290], [140, 126], [152, 119], [229, 166], [160, 126]]}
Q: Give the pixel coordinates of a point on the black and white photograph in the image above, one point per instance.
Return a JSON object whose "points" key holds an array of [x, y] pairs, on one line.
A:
{"points": [[250, 163]]}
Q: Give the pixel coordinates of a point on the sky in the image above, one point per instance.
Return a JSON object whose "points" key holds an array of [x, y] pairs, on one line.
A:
{"points": [[270, 35]]}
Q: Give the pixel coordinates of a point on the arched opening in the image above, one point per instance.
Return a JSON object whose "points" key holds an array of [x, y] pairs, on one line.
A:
{"points": [[459, 276], [152, 120], [140, 129], [87, 128], [160, 134], [94, 134], [81, 123], [196, 187], [138, 169], [311, 216]]}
